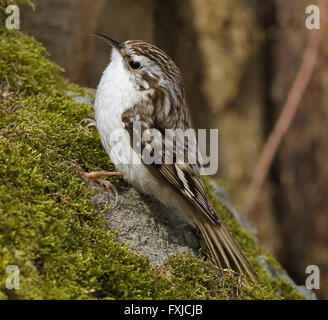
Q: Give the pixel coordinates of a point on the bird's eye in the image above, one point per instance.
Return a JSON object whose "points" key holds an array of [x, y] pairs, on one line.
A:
{"points": [[134, 65]]}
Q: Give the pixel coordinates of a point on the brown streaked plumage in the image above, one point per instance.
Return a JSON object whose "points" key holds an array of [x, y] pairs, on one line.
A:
{"points": [[142, 84]]}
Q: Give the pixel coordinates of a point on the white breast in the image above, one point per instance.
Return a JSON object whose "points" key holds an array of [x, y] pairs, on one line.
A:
{"points": [[115, 94]]}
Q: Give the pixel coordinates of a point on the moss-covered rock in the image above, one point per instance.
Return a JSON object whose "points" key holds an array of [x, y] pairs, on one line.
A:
{"points": [[51, 229]]}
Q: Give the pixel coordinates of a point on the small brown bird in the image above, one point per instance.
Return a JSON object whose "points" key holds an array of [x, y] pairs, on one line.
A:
{"points": [[141, 84]]}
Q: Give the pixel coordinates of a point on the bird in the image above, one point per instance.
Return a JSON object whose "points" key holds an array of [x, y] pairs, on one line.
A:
{"points": [[141, 84]]}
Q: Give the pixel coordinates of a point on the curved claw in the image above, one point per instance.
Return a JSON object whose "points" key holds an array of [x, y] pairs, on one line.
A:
{"points": [[91, 123], [109, 185]]}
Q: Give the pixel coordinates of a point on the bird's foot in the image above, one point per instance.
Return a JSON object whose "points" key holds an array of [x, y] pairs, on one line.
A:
{"points": [[94, 175], [108, 185], [91, 122]]}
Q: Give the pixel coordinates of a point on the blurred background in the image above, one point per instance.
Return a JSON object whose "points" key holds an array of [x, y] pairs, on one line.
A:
{"points": [[239, 59]]}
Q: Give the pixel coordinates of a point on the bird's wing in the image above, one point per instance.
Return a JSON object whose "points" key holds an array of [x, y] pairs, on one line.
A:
{"points": [[166, 150], [169, 152]]}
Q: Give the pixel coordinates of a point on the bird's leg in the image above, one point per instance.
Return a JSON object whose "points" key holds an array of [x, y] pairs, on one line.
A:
{"points": [[94, 175], [91, 123]]}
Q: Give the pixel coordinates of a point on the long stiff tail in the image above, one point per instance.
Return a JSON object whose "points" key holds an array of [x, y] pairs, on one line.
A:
{"points": [[223, 249]]}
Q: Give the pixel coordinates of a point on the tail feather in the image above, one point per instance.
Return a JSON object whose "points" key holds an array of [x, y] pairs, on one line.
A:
{"points": [[223, 249], [209, 243], [218, 246]]}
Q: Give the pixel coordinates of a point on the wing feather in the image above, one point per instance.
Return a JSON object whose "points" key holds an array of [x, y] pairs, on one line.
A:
{"points": [[183, 176]]}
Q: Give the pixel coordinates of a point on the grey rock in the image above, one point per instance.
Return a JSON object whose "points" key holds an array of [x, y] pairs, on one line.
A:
{"points": [[147, 226], [222, 194], [281, 274], [86, 99]]}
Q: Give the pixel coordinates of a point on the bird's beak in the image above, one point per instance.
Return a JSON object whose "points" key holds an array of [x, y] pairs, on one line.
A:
{"points": [[114, 43]]}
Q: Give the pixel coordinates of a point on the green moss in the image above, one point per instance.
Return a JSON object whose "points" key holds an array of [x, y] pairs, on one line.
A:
{"points": [[49, 228]]}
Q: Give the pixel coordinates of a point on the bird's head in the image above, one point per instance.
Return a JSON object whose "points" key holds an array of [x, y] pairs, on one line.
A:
{"points": [[145, 65]]}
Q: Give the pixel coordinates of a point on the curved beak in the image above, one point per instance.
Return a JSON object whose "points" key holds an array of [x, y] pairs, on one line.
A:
{"points": [[114, 43]]}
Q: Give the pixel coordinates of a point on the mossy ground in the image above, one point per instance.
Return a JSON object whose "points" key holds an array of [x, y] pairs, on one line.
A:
{"points": [[49, 228]]}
